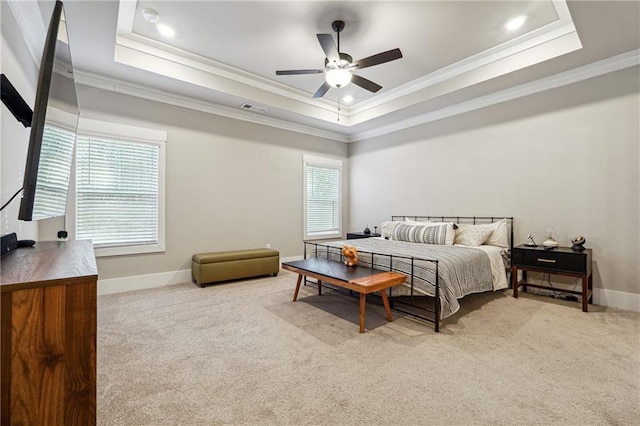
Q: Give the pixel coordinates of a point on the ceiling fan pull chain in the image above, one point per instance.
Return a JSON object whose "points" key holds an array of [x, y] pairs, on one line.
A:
{"points": [[338, 102]]}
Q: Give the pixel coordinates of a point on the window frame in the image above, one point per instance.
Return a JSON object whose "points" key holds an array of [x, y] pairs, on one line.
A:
{"points": [[98, 128], [311, 160]]}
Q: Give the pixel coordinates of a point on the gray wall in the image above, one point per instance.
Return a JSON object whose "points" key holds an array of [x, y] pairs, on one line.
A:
{"points": [[566, 159], [229, 184]]}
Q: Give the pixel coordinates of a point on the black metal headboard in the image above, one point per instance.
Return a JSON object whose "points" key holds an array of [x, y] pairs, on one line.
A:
{"points": [[474, 220]]}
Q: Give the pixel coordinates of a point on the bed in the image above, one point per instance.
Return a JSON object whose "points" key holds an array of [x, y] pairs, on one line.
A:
{"points": [[445, 258]]}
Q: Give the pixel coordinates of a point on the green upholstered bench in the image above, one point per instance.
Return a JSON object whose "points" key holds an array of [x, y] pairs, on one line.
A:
{"points": [[230, 265]]}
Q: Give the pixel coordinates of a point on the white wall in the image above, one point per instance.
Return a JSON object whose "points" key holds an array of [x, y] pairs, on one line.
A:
{"points": [[230, 184], [566, 159], [20, 68]]}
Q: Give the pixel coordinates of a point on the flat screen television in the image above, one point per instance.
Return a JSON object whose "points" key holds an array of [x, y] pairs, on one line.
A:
{"points": [[53, 128]]}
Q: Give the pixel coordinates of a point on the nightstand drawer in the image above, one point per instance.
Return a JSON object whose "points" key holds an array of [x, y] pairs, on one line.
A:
{"points": [[553, 260]]}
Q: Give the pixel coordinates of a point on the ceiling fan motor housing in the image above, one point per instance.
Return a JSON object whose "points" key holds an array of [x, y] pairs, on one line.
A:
{"points": [[345, 60]]}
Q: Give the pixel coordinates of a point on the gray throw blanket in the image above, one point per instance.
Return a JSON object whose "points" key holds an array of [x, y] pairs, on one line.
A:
{"points": [[461, 270]]}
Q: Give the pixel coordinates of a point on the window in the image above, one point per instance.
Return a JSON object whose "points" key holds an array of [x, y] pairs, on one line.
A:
{"points": [[322, 197], [120, 188]]}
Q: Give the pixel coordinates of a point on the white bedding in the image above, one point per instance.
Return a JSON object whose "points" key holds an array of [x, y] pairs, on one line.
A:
{"points": [[497, 266], [495, 260], [461, 270]]}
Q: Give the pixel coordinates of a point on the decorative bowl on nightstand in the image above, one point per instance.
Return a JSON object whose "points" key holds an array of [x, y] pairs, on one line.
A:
{"points": [[578, 243]]}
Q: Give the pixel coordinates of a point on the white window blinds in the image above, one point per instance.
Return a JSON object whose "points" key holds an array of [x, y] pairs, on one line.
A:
{"points": [[53, 172], [117, 191], [323, 207]]}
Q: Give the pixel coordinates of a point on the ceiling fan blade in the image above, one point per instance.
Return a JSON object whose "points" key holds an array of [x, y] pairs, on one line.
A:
{"points": [[365, 84], [322, 90], [329, 47], [296, 72], [380, 58]]}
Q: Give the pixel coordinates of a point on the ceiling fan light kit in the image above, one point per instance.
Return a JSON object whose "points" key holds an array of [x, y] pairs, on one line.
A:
{"points": [[339, 66], [338, 77]]}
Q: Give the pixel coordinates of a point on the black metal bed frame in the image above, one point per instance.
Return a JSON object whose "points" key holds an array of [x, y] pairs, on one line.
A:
{"points": [[436, 310]]}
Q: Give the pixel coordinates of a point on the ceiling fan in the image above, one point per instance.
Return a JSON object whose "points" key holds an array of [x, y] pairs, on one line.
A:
{"points": [[339, 67]]}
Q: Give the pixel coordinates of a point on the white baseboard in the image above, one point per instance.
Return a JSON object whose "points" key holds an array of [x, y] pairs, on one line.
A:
{"points": [[603, 297], [141, 282], [616, 299]]}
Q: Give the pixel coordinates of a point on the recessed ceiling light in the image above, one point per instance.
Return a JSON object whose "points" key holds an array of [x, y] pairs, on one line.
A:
{"points": [[347, 99], [515, 23], [165, 30], [150, 15]]}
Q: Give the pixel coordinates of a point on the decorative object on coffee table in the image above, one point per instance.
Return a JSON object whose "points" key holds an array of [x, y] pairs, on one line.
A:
{"points": [[351, 255], [366, 229], [578, 243]]}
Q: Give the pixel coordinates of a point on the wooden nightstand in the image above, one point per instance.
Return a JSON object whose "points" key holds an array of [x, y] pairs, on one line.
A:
{"points": [[559, 261], [357, 235]]}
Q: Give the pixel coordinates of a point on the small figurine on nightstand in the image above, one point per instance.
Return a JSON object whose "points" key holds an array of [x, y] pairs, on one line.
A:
{"points": [[550, 242], [578, 243]]}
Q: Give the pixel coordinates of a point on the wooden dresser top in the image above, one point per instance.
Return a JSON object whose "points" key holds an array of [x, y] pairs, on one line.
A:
{"points": [[48, 263]]}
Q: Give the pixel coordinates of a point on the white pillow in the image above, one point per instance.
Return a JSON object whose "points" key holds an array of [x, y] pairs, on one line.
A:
{"points": [[415, 222], [472, 235], [387, 228], [499, 234]]}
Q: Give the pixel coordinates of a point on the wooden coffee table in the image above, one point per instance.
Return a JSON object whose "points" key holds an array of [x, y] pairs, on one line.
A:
{"points": [[360, 279]]}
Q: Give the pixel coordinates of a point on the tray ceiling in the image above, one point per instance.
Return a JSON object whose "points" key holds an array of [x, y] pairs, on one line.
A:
{"points": [[225, 53]]}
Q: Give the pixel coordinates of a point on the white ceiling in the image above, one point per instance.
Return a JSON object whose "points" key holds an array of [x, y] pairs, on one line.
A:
{"points": [[456, 55]]}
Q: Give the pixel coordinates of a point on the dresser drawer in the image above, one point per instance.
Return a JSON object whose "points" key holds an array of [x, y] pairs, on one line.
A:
{"points": [[553, 260]]}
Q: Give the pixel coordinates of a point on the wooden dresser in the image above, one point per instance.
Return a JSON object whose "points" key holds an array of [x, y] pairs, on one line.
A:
{"points": [[48, 310]]}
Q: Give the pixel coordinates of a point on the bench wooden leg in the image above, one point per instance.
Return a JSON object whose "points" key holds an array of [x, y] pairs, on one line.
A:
{"points": [[363, 300], [383, 293], [295, 294], [319, 288]]}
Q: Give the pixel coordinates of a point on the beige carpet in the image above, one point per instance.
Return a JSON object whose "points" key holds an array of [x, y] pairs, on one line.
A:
{"points": [[243, 353]]}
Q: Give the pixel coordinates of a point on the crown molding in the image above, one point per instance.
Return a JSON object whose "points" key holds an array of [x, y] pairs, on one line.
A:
{"points": [[175, 55], [126, 88], [29, 19], [538, 37], [605, 66], [595, 69], [127, 38], [154, 56]]}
